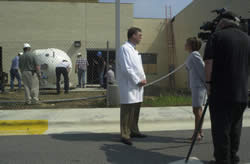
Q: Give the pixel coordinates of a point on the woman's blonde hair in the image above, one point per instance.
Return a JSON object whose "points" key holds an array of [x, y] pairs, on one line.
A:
{"points": [[194, 43]]}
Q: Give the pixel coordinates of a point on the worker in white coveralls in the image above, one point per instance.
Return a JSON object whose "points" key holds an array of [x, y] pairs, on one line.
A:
{"points": [[131, 79]]}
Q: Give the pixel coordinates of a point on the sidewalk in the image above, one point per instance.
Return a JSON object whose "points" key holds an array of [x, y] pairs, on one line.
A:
{"points": [[99, 120]]}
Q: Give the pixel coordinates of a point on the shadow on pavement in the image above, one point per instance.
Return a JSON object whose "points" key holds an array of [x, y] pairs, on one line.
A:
{"points": [[109, 137], [96, 137], [158, 148], [120, 154], [167, 142]]}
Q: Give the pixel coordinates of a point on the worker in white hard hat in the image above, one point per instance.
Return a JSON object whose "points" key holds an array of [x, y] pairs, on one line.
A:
{"points": [[30, 70], [80, 69], [26, 45]]}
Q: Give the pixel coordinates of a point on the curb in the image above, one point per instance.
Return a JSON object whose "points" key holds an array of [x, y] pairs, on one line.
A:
{"points": [[23, 127], [51, 121]]}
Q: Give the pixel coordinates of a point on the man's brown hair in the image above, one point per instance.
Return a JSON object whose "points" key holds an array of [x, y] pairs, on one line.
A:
{"points": [[132, 31]]}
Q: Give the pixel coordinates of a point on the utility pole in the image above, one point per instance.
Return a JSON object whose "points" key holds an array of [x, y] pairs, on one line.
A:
{"points": [[113, 95], [117, 28]]}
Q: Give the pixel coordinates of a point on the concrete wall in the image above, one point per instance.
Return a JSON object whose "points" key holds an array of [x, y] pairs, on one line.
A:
{"points": [[58, 25], [188, 22], [154, 41]]}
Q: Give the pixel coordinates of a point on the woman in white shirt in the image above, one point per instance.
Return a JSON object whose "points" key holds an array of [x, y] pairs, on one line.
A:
{"points": [[195, 67]]}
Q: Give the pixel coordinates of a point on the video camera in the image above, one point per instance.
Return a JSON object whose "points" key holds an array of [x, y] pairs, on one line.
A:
{"points": [[209, 27]]}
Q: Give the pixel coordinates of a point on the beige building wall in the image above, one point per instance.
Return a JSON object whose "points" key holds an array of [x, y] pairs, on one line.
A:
{"points": [[187, 24], [47, 24], [154, 41], [50, 24]]}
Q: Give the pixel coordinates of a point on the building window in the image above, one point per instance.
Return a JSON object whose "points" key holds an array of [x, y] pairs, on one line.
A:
{"points": [[149, 61]]}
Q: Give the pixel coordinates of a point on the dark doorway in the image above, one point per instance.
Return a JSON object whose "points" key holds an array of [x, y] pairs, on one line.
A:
{"points": [[92, 73], [3, 75], [1, 71], [1, 61]]}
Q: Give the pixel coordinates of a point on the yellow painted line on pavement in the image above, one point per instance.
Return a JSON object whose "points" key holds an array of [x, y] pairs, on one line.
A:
{"points": [[23, 127]]}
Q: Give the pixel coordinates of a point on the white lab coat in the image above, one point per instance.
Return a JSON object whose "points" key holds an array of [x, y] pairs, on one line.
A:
{"points": [[129, 73]]}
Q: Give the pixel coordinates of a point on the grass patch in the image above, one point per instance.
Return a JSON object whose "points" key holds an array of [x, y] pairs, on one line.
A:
{"points": [[165, 98], [168, 100], [51, 95]]}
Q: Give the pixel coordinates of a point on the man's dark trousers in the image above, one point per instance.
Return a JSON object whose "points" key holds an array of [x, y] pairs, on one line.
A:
{"points": [[129, 118], [81, 78], [64, 72], [15, 74], [226, 121]]}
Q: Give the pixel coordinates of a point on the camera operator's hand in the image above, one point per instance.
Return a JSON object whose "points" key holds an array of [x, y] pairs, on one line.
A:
{"points": [[142, 83]]}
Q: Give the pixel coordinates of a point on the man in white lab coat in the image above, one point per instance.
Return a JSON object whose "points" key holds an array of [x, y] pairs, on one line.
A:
{"points": [[131, 79]]}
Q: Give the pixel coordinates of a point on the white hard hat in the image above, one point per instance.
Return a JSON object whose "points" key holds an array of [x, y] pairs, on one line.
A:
{"points": [[20, 53], [26, 45], [79, 53]]}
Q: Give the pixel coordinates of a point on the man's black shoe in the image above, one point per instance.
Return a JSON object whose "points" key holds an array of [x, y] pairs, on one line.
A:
{"points": [[126, 141], [138, 136]]}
